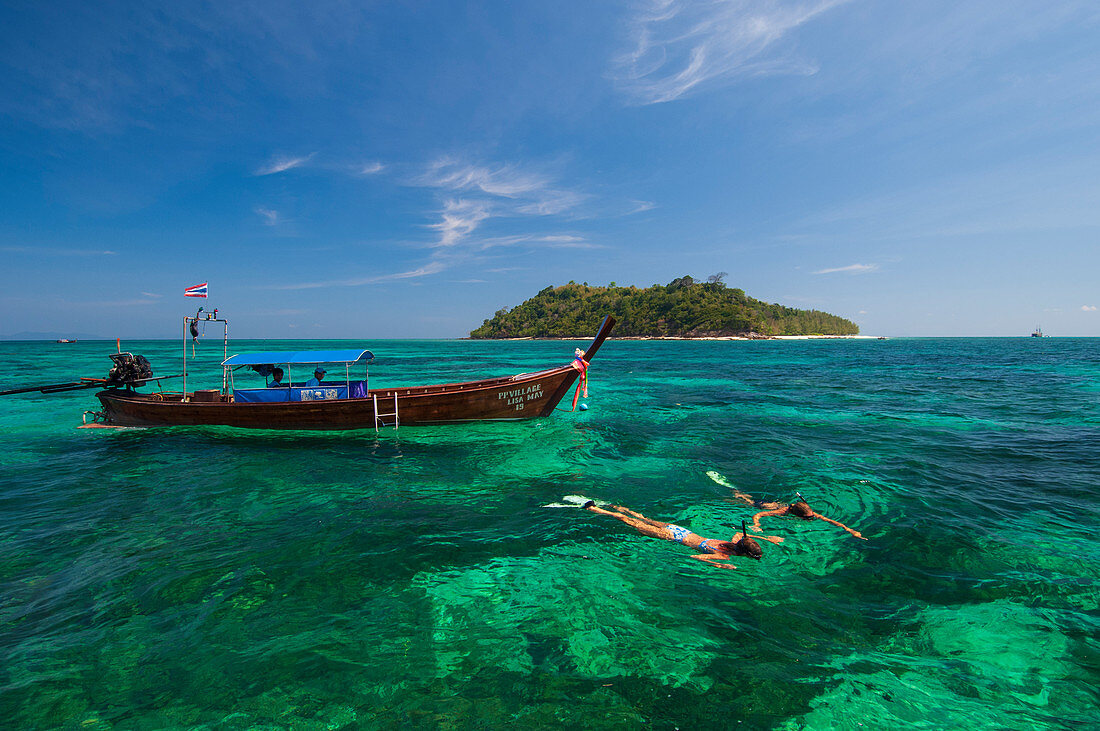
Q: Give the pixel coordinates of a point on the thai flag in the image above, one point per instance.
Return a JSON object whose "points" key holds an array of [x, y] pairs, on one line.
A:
{"points": [[199, 290]]}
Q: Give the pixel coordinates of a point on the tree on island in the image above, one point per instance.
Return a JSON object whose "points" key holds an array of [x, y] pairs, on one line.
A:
{"points": [[684, 307]]}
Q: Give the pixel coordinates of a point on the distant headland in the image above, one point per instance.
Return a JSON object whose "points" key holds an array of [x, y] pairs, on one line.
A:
{"points": [[684, 308]]}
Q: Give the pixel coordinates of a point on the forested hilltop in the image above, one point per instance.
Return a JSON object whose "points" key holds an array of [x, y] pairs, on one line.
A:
{"points": [[684, 307]]}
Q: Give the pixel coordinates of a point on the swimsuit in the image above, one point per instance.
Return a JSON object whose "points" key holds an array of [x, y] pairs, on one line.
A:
{"points": [[679, 533]]}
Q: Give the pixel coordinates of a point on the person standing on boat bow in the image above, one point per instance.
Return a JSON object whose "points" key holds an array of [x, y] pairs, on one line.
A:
{"points": [[711, 549], [318, 374]]}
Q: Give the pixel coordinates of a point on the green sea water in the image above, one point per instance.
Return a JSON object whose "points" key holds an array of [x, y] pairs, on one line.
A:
{"points": [[223, 579]]}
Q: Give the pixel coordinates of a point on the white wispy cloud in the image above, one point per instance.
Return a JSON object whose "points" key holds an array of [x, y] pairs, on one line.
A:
{"points": [[471, 195], [552, 203], [48, 251], [506, 181], [640, 207], [552, 241], [432, 267], [850, 269], [271, 217], [459, 218], [1088, 308], [151, 294], [680, 45], [530, 192], [478, 193], [281, 164], [564, 241], [372, 168]]}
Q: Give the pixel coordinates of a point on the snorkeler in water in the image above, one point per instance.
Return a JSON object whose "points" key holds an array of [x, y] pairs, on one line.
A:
{"points": [[800, 508], [711, 550]]}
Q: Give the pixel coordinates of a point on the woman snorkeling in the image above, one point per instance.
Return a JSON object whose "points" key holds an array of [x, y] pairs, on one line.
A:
{"points": [[799, 509], [711, 550]]}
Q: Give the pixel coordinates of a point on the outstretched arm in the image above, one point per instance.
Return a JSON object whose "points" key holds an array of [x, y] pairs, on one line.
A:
{"points": [[712, 559], [855, 533], [763, 514]]}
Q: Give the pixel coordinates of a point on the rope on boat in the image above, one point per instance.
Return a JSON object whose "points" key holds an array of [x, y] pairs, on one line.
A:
{"points": [[580, 364]]}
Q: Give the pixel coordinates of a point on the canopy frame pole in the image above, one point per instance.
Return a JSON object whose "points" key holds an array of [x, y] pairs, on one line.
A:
{"points": [[185, 319], [225, 350], [225, 356]]}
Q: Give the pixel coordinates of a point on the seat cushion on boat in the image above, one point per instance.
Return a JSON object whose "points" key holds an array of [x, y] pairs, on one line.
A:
{"points": [[296, 393]]}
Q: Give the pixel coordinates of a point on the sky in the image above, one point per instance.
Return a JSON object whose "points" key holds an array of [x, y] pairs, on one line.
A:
{"points": [[405, 169]]}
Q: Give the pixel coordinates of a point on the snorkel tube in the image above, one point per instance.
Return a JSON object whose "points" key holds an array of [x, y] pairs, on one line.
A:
{"points": [[800, 507], [748, 546]]}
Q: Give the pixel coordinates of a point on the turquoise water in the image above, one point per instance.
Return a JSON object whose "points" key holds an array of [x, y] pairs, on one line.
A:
{"points": [[216, 578]]}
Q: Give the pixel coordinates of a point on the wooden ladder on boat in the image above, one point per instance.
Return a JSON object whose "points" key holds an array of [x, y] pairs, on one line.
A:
{"points": [[378, 418]]}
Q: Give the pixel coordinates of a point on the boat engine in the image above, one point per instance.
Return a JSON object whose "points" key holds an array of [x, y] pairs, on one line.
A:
{"points": [[129, 370]]}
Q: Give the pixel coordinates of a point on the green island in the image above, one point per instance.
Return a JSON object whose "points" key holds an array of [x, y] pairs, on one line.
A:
{"points": [[683, 308]]}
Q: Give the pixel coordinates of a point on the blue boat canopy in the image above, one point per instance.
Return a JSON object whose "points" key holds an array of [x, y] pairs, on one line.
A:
{"points": [[300, 356]]}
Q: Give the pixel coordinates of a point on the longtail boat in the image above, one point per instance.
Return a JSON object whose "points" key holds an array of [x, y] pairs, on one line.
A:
{"points": [[340, 403]]}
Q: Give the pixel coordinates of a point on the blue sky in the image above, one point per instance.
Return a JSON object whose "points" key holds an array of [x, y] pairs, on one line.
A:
{"points": [[404, 169]]}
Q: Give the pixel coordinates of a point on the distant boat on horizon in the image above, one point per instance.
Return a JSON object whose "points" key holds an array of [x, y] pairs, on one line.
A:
{"points": [[1038, 332], [66, 340]]}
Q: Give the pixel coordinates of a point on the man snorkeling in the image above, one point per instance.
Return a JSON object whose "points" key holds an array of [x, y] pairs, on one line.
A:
{"points": [[799, 509], [712, 550]]}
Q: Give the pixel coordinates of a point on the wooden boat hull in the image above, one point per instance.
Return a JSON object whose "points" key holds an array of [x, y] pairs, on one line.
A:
{"points": [[509, 398], [499, 399]]}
